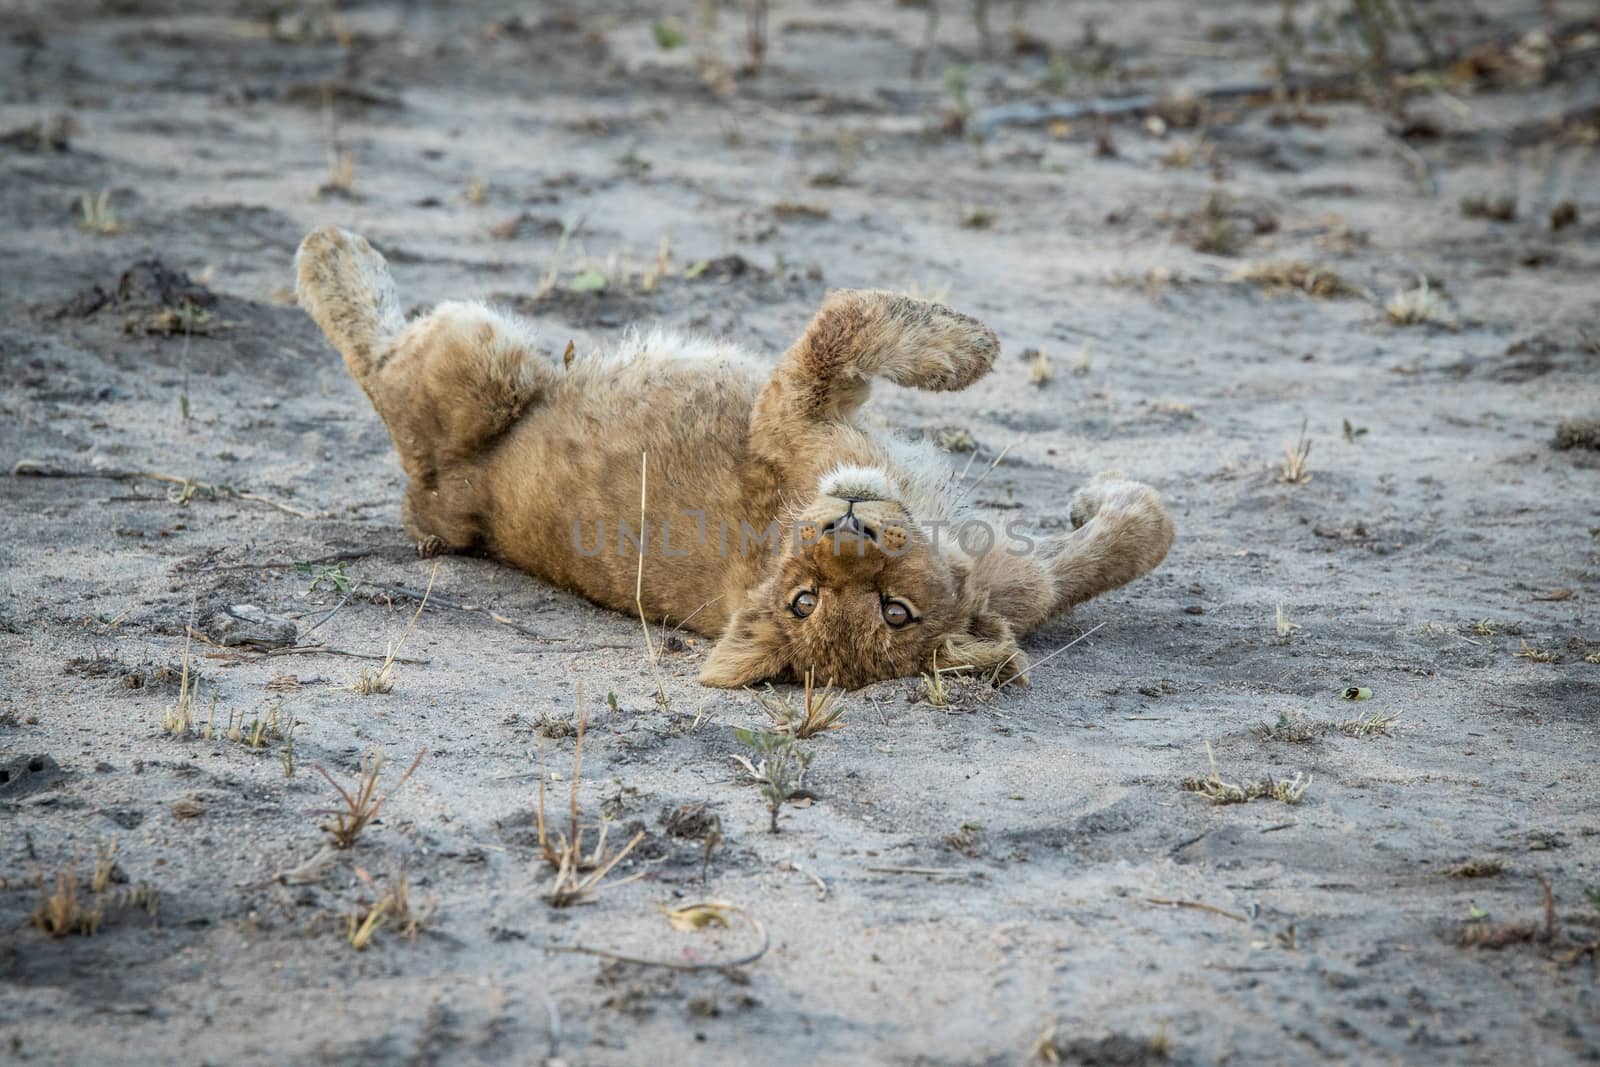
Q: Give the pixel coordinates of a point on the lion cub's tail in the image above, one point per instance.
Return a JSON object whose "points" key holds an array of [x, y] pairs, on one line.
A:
{"points": [[345, 284]]}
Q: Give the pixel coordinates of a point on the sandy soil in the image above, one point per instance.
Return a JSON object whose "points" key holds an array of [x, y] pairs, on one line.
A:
{"points": [[1442, 554]]}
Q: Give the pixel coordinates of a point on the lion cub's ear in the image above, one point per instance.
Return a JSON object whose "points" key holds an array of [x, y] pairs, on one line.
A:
{"points": [[748, 652], [986, 644], [1000, 657]]}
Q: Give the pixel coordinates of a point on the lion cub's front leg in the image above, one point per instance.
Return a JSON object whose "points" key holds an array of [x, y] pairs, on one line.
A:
{"points": [[858, 335]]}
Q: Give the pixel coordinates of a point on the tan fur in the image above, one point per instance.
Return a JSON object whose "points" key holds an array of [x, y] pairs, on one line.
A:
{"points": [[509, 452]]}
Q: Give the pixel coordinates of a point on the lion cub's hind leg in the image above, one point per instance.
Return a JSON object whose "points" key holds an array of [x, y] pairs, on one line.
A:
{"points": [[459, 377], [1121, 531]]}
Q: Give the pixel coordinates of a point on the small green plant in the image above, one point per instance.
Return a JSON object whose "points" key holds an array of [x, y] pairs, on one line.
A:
{"points": [[780, 767], [98, 215], [668, 34], [958, 109], [334, 576], [552, 274], [286, 754]]}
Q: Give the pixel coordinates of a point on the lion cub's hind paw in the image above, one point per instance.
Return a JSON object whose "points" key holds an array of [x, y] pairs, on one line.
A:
{"points": [[432, 546], [939, 349], [1086, 502]]}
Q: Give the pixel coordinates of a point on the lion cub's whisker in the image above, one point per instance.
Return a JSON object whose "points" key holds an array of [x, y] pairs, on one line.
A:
{"points": [[962, 495], [1035, 666]]}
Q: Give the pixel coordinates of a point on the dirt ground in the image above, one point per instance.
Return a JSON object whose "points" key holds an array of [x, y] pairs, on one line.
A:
{"points": [[1011, 876]]}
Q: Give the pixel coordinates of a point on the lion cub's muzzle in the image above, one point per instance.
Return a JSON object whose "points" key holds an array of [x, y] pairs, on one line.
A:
{"points": [[876, 524]]}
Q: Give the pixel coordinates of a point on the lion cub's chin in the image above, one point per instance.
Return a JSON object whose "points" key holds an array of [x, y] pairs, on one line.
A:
{"points": [[848, 482]]}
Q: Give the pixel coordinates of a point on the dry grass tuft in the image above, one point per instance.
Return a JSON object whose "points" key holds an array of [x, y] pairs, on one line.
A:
{"points": [[1536, 655], [362, 806], [1050, 1048], [1377, 724], [577, 875], [792, 209], [1499, 935], [823, 710], [1219, 791], [652, 651], [1493, 208], [393, 908], [934, 690], [1040, 372], [1298, 275], [1295, 469], [369, 681], [1290, 729], [1479, 867], [178, 720], [61, 912], [1577, 433], [1419, 307], [1285, 626]]}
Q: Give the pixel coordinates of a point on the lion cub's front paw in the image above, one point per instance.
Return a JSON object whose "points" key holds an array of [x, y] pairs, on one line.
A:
{"points": [[431, 546], [938, 348]]}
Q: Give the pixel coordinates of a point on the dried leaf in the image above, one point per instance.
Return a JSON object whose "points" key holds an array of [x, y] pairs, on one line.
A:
{"points": [[699, 916]]}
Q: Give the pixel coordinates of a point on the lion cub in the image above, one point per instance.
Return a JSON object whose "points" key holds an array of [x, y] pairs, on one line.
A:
{"points": [[775, 520]]}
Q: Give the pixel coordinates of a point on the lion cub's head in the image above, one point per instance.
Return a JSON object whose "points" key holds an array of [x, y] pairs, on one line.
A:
{"points": [[860, 593]]}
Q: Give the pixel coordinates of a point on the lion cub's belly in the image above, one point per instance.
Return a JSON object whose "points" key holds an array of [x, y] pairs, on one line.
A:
{"points": [[563, 489]]}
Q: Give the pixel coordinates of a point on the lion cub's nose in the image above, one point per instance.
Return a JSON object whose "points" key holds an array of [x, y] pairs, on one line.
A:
{"points": [[850, 523]]}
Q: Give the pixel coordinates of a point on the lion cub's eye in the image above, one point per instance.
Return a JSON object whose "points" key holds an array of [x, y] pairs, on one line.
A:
{"points": [[803, 604], [896, 614]]}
